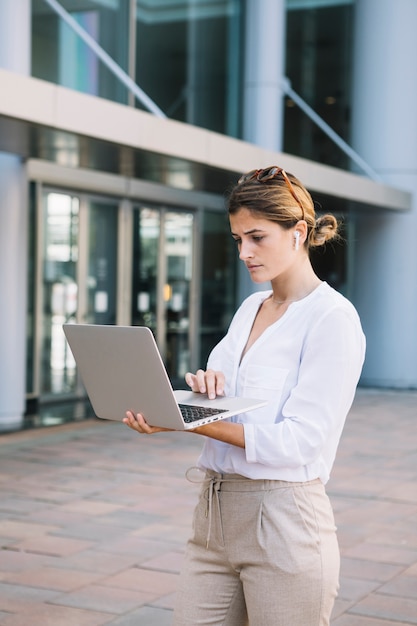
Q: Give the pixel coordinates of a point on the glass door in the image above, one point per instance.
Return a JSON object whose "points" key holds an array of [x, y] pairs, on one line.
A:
{"points": [[59, 291], [178, 256], [163, 283], [78, 282]]}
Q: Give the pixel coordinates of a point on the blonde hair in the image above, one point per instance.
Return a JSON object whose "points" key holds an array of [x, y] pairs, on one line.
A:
{"points": [[274, 200]]}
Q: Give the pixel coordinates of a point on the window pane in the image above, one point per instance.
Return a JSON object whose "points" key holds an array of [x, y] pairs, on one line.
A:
{"points": [[219, 281], [60, 56], [188, 60], [319, 44]]}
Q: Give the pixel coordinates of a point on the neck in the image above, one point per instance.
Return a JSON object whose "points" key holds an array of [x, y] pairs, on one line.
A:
{"points": [[300, 294]]}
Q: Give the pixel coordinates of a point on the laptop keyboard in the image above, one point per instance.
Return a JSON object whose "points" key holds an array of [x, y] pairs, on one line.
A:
{"points": [[193, 413]]}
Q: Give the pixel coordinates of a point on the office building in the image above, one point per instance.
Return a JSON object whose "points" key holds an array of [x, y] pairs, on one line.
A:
{"points": [[124, 122]]}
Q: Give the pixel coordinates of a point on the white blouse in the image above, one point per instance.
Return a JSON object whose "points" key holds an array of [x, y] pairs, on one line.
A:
{"points": [[307, 366]]}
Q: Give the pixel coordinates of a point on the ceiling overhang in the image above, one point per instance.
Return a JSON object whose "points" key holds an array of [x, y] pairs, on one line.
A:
{"points": [[41, 120]]}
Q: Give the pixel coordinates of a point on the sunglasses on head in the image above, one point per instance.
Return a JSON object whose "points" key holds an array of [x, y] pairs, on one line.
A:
{"points": [[268, 173]]}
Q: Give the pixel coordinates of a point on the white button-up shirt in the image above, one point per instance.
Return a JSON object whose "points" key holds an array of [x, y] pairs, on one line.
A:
{"points": [[307, 366]]}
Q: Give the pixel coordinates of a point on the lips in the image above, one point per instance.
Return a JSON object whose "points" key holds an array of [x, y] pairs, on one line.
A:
{"points": [[252, 268]]}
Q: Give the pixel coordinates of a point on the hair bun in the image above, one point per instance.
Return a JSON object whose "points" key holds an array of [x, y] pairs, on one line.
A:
{"points": [[325, 228]]}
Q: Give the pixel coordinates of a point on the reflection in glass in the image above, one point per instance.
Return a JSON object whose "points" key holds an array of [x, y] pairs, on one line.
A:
{"points": [[145, 267], [60, 56], [102, 263], [162, 274], [60, 292], [218, 297], [178, 250], [188, 60], [319, 66]]}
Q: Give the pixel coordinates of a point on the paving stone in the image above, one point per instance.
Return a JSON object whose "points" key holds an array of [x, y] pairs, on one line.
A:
{"points": [[92, 516], [146, 616], [104, 599], [397, 609], [48, 615]]}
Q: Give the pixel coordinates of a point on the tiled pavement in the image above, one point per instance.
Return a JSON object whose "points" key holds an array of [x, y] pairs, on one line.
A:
{"points": [[94, 518]]}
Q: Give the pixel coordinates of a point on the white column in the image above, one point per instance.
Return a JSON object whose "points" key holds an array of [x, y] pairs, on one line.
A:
{"points": [[15, 21], [385, 135], [264, 69], [263, 97]]}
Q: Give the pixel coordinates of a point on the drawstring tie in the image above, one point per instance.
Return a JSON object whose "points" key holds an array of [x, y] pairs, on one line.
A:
{"points": [[213, 482]]}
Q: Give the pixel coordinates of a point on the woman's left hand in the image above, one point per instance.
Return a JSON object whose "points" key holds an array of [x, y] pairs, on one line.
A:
{"points": [[137, 422]]}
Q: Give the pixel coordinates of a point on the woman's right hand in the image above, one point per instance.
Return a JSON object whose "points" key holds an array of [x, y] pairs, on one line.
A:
{"points": [[206, 381], [138, 422]]}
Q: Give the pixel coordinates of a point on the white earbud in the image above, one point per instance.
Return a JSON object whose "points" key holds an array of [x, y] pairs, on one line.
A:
{"points": [[297, 239]]}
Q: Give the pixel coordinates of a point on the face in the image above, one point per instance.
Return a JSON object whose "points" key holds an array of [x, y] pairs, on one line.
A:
{"points": [[265, 247]]}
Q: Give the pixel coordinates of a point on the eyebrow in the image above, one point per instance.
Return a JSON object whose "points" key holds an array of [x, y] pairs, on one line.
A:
{"points": [[250, 232]]}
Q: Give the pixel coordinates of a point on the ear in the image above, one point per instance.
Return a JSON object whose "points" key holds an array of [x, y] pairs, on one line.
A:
{"points": [[301, 228], [300, 233]]}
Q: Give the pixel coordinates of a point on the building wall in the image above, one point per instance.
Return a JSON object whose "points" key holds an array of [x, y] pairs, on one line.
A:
{"points": [[234, 87], [385, 134]]}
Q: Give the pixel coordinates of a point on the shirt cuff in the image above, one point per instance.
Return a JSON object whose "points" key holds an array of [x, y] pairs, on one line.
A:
{"points": [[250, 451]]}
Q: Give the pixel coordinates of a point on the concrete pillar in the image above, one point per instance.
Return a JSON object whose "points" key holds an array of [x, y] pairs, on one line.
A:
{"points": [[15, 29], [263, 98], [264, 69], [385, 134]]}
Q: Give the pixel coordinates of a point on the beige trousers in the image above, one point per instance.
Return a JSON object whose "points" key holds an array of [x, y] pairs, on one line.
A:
{"points": [[263, 553]]}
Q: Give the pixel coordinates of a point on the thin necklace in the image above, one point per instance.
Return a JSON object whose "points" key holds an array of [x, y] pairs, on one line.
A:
{"points": [[284, 301], [289, 301]]}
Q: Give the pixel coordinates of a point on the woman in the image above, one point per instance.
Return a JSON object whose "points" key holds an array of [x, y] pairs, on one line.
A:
{"points": [[264, 549]]}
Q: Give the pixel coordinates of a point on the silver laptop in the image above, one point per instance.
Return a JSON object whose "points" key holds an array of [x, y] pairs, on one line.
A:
{"points": [[122, 369]]}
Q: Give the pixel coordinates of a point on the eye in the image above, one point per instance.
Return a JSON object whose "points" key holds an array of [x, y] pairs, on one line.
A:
{"points": [[257, 237], [237, 240]]}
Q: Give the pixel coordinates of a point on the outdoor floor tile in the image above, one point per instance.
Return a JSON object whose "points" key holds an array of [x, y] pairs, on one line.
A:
{"points": [[103, 563], [167, 562], [368, 570], [355, 589], [49, 615], [355, 620], [143, 580], [18, 529], [383, 554], [90, 531], [52, 546], [146, 616], [53, 578], [387, 607], [94, 520], [15, 597], [401, 586], [104, 599]]}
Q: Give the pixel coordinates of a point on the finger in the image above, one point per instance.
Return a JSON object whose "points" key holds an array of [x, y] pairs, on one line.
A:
{"points": [[133, 422], [191, 381], [220, 381], [200, 381], [211, 383]]}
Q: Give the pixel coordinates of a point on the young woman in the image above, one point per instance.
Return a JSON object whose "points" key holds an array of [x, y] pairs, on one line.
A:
{"points": [[264, 549]]}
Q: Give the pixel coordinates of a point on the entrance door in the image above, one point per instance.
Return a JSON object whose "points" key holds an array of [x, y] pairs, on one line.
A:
{"points": [[164, 284], [78, 239]]}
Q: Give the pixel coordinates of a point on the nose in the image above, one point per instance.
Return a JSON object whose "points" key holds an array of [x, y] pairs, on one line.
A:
{"points": [[245, 251]]}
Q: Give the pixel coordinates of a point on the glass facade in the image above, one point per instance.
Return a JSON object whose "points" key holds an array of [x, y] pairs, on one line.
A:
{"points": [[188, 60], [319, 66], [60, 56], [188, 57], [218, 298]]}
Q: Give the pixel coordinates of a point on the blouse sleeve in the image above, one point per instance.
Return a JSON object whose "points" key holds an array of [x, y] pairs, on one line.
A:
{"points": [[313, 416]]}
